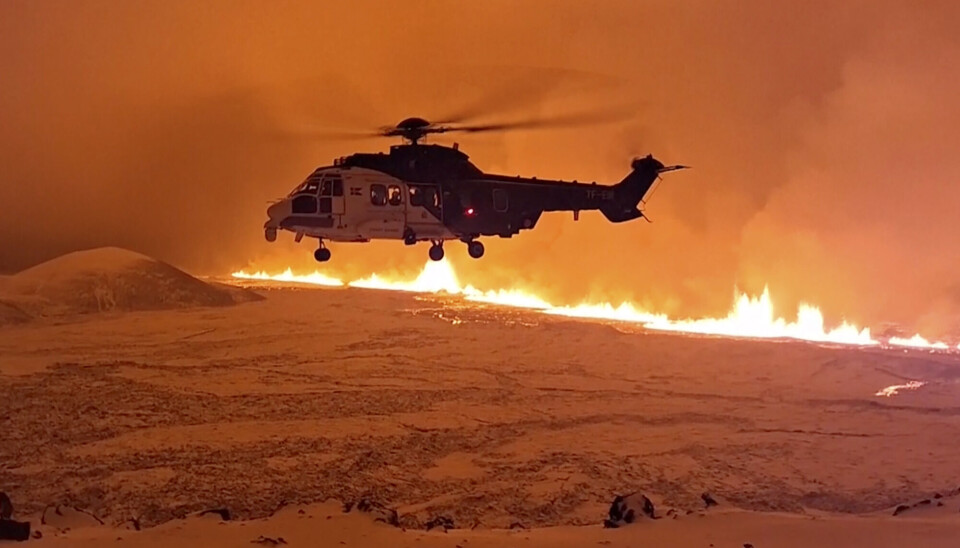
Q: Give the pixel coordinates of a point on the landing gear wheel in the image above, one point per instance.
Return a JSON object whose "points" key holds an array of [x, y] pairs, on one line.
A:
{"points": [[270, 234], [436, 252], [475, 249], [322, 255]]}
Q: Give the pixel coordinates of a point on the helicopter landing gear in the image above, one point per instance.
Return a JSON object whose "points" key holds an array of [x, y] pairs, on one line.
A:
{"points": [[322, 254], [270, 234], [475, 249], [436, 250]]}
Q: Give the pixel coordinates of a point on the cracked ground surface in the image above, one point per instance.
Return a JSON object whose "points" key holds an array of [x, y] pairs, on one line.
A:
{"points": [[435, 407]]}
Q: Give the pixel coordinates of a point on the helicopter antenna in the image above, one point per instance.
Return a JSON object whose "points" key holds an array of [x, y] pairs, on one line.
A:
{"points": [[656, 183]]}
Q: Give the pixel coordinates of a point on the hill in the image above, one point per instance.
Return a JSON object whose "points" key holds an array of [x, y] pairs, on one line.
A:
{"points": [[106, 280]]}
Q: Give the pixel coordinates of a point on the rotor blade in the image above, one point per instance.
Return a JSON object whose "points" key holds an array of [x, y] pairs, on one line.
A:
{"points": [[568, 120], [520, 87], [326, 135]]}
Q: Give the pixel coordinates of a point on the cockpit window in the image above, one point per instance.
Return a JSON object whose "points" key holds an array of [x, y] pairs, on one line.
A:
{"points": [[304, 204], [310, 186]]}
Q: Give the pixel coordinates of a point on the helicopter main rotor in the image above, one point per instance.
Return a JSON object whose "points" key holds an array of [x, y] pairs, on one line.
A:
{"points": [[415, 128]]}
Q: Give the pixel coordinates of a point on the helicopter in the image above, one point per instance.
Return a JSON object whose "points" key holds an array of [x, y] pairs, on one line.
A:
{"points": [[428, 192]]}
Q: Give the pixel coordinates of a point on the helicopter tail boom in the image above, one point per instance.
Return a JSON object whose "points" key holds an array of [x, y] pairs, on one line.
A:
{"points": [[629, 192]]}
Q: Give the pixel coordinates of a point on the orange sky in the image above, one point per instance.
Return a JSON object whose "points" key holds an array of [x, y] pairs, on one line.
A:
{"points": [[823, 136]]}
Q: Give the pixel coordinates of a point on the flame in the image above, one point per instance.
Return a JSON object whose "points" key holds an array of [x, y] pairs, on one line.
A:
{"points": [[917, 341], [750, 317], [896, 388], [288, 276], [439, 277]]}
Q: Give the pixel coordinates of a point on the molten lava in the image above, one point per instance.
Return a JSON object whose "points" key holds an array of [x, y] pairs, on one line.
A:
{"points": [[750, 317], [288, 276]]}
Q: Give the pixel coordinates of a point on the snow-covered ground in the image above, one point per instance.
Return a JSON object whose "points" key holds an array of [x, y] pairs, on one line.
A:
{"points": [[490, 416]]}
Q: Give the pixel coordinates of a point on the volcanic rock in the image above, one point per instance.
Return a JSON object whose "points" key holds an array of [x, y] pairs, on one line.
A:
{"points": [[6, 507], [629, 508], [378, 511], [268, 541], [14, 530], [223, 513], [440, 521], [709, 500]]}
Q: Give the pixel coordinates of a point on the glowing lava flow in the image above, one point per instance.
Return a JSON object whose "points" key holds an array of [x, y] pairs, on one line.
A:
{"points": [[288, 276], [917, 341], [437, 277], [750, 317], [895, 389]]}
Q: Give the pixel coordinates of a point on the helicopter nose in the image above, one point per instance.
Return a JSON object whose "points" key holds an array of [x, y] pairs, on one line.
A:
{"points": [[278, 211]]}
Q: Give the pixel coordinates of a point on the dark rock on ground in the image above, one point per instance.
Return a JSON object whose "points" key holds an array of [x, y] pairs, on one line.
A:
{"points": [[409, 521], [6, 507], [440, 521], [709, 500], [378, 511], [224, 513], [14, 530], [268, 541], [629, 508], [517, 525], [900, 509]]}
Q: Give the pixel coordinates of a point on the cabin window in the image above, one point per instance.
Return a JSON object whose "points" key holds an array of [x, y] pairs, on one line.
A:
{"points": [[394, 195], [500, 202], [416, 196], [304, 204], [431, 198], [326, 204], [326, 188], [337, 187], [378, 195]]}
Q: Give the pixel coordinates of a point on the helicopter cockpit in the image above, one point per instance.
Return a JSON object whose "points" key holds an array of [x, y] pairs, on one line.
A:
{"points": [[316, 193]]}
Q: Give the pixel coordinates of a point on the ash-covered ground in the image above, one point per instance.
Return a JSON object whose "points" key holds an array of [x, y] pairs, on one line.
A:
{"points": [[437, 407]]}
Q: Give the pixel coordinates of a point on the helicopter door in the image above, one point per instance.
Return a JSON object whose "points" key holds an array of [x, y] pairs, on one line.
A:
{"points": [[331, 196], [425, 210]]}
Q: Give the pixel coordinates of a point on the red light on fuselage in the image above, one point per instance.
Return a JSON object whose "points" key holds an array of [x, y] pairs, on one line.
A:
{"points": [[469, 212]]}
